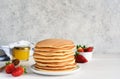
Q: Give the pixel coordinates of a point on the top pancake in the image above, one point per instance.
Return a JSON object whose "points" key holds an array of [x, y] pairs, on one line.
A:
{"points": [[55, 43]]}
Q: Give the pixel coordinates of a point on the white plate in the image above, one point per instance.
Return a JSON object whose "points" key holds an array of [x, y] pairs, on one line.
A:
{"points": [[54, 73]]}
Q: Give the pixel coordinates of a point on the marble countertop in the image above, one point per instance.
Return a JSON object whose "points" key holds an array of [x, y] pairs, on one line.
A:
{"points": [[102, 66]]}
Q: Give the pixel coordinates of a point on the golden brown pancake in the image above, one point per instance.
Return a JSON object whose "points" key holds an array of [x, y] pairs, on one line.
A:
{"points": [[57, 67], [53, 54], [54, 70], [53, 57], [56, 64], [64, 68], [50, 48], [55, 43], [54, 49]]}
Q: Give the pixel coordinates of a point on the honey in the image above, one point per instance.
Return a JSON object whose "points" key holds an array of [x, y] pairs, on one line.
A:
{"points": [[21, 53]]}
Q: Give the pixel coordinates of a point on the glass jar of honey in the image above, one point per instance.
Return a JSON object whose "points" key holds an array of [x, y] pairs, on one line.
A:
{"points": [[21, 53]]}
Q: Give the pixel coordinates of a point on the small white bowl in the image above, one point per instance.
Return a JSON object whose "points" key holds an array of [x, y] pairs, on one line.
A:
{"points": [[87, 55]]}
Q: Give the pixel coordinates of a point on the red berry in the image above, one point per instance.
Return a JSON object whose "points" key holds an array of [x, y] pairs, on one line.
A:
{"points": [[89, 49], [80, 59], [80, 50], [10, 68], [18, 71]]}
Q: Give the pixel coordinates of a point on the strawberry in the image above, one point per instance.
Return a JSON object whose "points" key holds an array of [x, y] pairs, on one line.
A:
{"points": [[18, 71], [80, 49], [9, 68], [88, 49], [80, 59]]}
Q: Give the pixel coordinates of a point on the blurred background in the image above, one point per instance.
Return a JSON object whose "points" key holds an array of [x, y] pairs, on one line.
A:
{"points": [[86, 22]]}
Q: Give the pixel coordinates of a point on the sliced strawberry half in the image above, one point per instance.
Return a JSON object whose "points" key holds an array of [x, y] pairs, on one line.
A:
{"points": [[89, 49], [80, 59]]}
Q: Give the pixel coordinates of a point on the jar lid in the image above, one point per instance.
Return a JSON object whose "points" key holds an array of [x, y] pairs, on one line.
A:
{"points": [[21, 47]]}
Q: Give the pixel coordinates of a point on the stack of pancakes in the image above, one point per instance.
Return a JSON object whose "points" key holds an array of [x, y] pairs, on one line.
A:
{"points": [[54, 55]]}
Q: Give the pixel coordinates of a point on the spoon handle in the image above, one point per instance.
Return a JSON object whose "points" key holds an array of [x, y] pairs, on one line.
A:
{"points": [[2, 68]]}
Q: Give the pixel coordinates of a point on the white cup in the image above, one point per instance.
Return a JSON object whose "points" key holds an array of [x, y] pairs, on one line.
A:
{"points": [[87, 55]]}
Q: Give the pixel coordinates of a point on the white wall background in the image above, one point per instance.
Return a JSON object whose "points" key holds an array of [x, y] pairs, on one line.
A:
{"points": [[90, 22]]}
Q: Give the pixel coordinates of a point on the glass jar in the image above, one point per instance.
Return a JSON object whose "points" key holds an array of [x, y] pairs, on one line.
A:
{"points": [[21, 53]]}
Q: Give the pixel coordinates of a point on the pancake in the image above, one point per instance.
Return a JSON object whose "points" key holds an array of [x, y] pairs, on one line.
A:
{"points": [[56, 64], [54, 60], [55, 43], [54, 70], [49, 48], [54, 49], [54, 55], [57, 68]]}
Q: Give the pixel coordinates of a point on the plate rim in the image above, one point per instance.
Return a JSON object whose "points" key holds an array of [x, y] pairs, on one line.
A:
{"points": [[55, 73]]}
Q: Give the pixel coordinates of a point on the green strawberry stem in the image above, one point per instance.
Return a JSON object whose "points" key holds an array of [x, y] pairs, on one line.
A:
{"points": [[78, 46], [7, 63], [83, 46], [25, 70], [76, 53]]}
